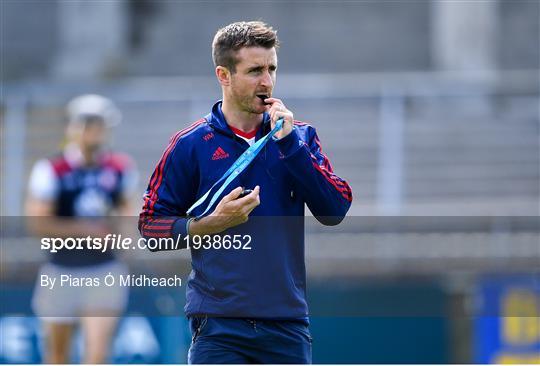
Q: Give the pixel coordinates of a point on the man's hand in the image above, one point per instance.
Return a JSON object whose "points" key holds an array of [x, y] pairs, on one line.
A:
{"points": [[230, 211], [276, 110]]}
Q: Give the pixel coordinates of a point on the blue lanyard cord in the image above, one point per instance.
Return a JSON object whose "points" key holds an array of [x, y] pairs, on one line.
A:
{"points": [[238, 167]]}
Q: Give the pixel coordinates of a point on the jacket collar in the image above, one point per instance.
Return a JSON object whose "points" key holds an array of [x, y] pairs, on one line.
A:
{"points": [[217, 120]]}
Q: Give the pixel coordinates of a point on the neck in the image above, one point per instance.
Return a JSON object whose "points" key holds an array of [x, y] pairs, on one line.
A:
{"points": [[244, 121]]}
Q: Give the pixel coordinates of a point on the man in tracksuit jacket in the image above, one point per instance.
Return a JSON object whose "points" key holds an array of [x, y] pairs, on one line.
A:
{"points": [[246, 302]]}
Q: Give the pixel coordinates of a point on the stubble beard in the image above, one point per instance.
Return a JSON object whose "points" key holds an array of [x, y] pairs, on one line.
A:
{"points": [[244, 102]]}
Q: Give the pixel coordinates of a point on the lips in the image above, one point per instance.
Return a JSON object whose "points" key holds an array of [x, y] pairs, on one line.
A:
{"points": [[262, 97]]}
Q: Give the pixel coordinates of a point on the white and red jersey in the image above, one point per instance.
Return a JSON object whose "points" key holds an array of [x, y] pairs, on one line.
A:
{"points": [[77, 189]]}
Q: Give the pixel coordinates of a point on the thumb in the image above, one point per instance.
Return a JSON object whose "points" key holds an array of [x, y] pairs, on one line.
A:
{"points": [[233, 194]]}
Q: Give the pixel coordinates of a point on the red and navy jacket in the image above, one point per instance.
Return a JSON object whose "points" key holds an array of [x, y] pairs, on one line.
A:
{"points": [[268, 280]]}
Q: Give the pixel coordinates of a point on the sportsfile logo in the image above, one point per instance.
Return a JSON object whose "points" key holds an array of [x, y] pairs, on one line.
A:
{"points": [[220, 154], [121, 242]]}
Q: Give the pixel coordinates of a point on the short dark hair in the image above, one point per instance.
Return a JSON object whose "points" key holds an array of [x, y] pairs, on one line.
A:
{"points": [[231, 38]]}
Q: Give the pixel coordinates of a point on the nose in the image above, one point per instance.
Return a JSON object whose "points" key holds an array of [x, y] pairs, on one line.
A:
{"points": [[266, 79]]}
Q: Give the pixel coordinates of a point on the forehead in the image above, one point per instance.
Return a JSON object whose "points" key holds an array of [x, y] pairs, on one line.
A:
{"points": [[256, 56]]}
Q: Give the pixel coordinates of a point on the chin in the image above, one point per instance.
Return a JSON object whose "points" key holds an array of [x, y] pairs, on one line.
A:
{"points": [[261, 108], [255, 109]]}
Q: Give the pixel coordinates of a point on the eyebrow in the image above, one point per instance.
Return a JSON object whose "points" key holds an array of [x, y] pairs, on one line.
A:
{"points": [[259, 68]]}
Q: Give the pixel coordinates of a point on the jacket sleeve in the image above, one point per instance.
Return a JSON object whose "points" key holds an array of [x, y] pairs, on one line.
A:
{"points": [[171, 190], [327, 195]]}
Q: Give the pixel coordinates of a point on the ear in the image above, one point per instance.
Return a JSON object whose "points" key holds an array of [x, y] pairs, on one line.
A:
{"points": [[224, 75]]}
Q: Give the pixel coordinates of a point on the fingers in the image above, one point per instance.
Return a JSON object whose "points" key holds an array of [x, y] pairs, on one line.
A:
{"points": [[275, 114], [253, 197], [274, 105], [249, 202], [277, 110], [233, 195], [233, 210], [240, 208], [273, 100], [252, 201]]}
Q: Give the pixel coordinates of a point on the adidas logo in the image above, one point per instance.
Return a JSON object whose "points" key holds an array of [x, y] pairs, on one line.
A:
{"points": [[219, 154]]}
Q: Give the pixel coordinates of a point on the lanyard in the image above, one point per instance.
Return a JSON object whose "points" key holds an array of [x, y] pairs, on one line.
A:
{"points": [[238, 167]]}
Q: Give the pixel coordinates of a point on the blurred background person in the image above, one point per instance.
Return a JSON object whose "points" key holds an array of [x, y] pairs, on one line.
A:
{"points": [[69, 195]]}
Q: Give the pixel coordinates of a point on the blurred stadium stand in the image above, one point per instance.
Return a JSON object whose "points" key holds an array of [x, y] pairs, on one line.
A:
{"points": [[430, 109], [459, 158], [410, 144]]}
